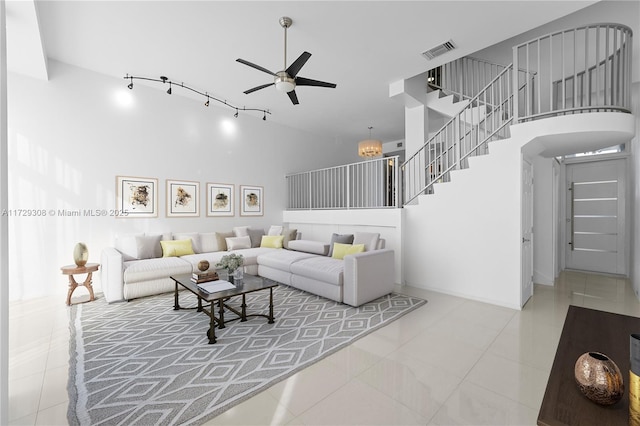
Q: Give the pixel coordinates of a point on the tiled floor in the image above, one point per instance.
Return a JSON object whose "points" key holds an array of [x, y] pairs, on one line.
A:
{"points": [[451, 362]]}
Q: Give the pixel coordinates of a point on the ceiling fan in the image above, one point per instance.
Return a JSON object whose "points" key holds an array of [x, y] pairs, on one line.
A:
{"points": [[287, 80]]}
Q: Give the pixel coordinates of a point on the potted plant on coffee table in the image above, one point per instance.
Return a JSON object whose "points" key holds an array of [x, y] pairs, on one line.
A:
{"points": [[233, 263]]}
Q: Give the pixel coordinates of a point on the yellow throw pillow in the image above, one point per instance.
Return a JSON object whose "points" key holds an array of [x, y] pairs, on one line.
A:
{"points": [[272, 241], [342, 250], [171, 248]]}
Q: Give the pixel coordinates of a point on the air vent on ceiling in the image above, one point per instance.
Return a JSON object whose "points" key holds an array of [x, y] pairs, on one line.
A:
{"points": [[439, 50]]}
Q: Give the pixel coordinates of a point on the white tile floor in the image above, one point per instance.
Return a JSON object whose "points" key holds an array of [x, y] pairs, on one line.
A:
{"points": [[451, 362]]}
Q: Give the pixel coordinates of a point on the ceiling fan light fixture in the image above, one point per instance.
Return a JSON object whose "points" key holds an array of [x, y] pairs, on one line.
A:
{"points": [[284, 83]]}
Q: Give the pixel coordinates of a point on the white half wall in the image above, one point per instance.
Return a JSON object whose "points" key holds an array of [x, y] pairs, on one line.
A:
{"points": [[70, 137], [318, 225]]}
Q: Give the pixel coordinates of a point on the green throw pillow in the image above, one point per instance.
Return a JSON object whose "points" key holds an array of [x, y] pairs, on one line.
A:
{"points": [[173, 248], [342, 250]]}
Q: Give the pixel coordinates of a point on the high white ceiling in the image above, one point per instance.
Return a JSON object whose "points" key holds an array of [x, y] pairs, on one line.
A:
{"points": [[362, 46]]}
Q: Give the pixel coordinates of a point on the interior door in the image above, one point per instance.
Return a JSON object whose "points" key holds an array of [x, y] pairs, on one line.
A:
{"points": [[596, 216], [527, 232]]}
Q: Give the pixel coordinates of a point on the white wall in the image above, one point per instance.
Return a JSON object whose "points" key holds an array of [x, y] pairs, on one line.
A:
{"points": [[464, 239], [70, 137]]}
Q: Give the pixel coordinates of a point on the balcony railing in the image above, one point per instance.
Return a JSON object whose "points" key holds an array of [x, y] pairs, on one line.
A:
{"points": [[586, 69], [364, 185]]}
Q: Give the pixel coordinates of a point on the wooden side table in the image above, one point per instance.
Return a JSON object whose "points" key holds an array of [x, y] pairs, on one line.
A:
{"points": [[72, 270]]}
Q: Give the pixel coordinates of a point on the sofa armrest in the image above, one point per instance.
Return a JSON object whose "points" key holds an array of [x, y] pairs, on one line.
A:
{"points": [[367, 276], [111, 269]]}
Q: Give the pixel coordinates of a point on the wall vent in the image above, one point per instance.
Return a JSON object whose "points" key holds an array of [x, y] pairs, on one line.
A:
{"points": [[399, 145], [439, 50]]}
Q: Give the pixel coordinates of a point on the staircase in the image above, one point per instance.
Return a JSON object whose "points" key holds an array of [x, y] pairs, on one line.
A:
{"points": [[484, 99]]}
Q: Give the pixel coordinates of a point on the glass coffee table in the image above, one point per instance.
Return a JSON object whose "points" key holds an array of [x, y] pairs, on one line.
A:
{"points": [[248, 284]]}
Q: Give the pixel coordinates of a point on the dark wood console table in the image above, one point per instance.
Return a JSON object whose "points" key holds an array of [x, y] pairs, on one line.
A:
{"points": [[587, 330]]}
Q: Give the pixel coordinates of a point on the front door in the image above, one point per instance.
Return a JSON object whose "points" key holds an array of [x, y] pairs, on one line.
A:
{"points": [[596, 217]]}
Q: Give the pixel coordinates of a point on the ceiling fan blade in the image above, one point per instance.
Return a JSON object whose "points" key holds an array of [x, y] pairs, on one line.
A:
{"points": [[293, 97], [294, 68], [252, 65], [301, 81], [258, 88]]}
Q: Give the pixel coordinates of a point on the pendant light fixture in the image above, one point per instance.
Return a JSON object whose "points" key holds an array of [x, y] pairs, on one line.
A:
{"points": [[370, 147]]}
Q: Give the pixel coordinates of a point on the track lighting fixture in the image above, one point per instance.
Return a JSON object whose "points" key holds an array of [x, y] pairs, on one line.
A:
{"points": [[208, 97], [264, 117]]}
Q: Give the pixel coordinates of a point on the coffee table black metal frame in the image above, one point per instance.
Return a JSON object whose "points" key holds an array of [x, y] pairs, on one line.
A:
{"points": [[248, 284]]}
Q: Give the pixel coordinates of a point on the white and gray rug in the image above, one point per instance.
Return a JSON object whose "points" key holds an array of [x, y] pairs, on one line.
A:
{"points": [[143, 363]]}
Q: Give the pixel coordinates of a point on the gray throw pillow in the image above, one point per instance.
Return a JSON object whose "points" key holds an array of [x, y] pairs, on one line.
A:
{"points": [[289, 235], [256, 236], [149, 246], [339, 238]]}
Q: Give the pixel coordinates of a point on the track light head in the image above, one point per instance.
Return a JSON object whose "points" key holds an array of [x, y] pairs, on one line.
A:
{"points": [[236, 114], [207, 103], [264, 117], [130, 85], [169, 91]]}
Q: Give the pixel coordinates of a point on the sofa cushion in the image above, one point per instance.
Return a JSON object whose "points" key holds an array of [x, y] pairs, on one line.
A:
{"points": [[241, 231], [256, 236], [272, 241], [193, 236], [321, 268], [275, 230], [250, 255], [339, 238], [150, 269], [342, 250], [127, 245], [236, 243], [176, 248], [369, 239], [309, 246], [282, 259], [221, 238], [208, 242]]}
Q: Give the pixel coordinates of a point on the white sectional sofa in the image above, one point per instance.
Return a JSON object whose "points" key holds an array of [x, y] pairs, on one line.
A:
{"points": [[135, 267]]}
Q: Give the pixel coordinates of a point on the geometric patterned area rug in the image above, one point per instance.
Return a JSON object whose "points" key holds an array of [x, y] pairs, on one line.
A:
{"points": [[143, 363]]}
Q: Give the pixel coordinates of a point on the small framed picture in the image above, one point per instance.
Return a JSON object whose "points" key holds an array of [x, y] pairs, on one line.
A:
{"points": [[220, 199], [251, 200], [136, 197], [183, 198]]}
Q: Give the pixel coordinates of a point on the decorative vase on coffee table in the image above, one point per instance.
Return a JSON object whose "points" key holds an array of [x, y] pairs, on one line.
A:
{"points": [[238, 274], [599, 378]]}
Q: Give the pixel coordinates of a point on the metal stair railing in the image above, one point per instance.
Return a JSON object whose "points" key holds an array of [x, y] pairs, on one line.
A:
{"points": [[466, 134], [465, 77]]}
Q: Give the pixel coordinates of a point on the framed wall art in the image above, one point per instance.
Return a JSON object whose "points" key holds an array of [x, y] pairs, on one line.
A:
{"points": [[183, 198], [251, 200], [220, 199], [136, 197]]}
